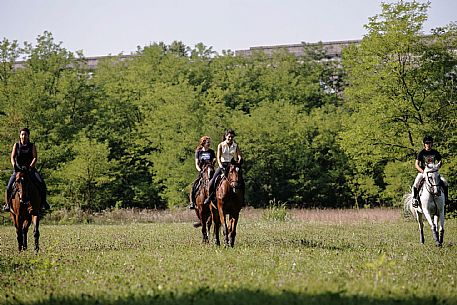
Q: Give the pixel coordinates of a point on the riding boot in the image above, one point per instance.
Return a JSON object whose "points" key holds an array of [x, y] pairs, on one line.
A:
{"points": [[415, 197], [44, 204], [209, 199], [210, 192], [6, 206], [192, 202], [446, 193]]}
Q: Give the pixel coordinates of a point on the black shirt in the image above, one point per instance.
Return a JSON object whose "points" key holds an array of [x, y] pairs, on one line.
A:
{"points": [[428, 156], [205, 156], [24, 153]]}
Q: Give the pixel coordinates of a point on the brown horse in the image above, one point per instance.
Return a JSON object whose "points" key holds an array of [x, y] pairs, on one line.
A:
{"points": [[25, 209], [229, 195], [203, 210]]}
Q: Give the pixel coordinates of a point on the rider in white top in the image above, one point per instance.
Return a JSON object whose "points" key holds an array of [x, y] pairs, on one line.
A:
{"points": [[227, 152]]}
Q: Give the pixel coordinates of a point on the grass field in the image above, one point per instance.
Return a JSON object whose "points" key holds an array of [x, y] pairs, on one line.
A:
{"points": [[309, 257]]}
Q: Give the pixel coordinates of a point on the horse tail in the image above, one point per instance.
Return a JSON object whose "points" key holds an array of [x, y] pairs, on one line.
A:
{"points": [[408, 208]]}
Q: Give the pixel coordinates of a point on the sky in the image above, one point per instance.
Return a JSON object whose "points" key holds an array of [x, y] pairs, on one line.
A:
{"points": [[103, 27]]}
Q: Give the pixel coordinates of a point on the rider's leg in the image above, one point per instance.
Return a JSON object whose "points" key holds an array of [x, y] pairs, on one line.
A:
{"points": [[193, 194], [212, 187], [415, 188], [9, 189], [41, 185], [445, 187]]}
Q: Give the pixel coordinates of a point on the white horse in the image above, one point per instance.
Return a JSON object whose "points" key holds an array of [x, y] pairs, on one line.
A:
{"points": [[431, 204]]}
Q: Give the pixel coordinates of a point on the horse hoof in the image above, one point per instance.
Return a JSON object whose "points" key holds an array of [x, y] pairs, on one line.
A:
{"points": [[197, 224]]}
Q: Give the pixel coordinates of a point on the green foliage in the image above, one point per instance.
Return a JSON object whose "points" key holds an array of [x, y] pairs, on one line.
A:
{"points": [[313, 132], [399, 84], [85, 178], [275, 211]]}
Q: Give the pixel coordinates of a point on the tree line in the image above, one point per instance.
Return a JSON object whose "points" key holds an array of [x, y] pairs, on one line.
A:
{"points": [[313, 132]]}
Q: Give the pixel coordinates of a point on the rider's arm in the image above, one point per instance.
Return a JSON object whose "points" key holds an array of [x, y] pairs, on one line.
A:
{"points": [[213, 160], [439, 159], [418, 167], [13, 155], [238, 154], [219, 154], [196, 165], [35, 156], [197, 161]]}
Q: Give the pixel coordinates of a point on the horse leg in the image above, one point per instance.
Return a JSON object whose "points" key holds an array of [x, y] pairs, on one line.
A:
{"points": [[233, 223], [421, 226], [217, 226], [36, 231], [441, 233], [25, 230], [432, 225], [209, 222], [204, 220], [223, 223], [441, 237], [19, 237], [435, 234]]}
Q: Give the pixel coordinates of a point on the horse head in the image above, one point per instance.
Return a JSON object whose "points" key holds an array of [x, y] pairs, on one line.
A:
{"points": [[22, 186], [233, 176], [208, 171], [433, 178]]}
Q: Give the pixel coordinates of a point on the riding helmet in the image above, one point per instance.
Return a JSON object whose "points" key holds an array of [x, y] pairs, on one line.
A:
{"points": [[428, 139]]}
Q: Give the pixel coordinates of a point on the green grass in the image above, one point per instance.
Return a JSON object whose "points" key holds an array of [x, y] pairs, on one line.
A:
{"points": [[307, 259]]}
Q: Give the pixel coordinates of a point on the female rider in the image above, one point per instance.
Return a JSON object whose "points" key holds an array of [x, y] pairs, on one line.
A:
{"points": [[228, 152], [203, 156], [23, 158]]}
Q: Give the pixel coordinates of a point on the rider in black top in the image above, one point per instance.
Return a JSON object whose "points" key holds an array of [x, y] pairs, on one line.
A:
{"points": [[23, 158], [203, 156], [426, 156]]}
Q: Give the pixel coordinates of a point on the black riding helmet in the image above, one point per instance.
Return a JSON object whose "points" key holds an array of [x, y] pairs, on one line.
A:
{"points": [[428, 139]]}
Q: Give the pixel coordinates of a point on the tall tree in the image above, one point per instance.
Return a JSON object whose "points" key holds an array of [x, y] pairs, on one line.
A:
{"points": [[395, 82]]}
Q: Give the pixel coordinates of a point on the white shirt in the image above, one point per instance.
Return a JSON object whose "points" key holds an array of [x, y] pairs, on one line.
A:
{"points": [[228, 152]]}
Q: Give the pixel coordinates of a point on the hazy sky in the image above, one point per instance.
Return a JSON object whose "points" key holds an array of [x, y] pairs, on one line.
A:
{"points": [[102, 27]]}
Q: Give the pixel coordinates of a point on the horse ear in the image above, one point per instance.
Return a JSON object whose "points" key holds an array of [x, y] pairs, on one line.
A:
{"points": [[439, 164]]}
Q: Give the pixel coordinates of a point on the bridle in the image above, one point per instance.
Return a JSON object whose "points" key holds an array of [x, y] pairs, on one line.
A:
{"points": [[432, 183], [234, 183], [206, 175], [23, 190]]}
